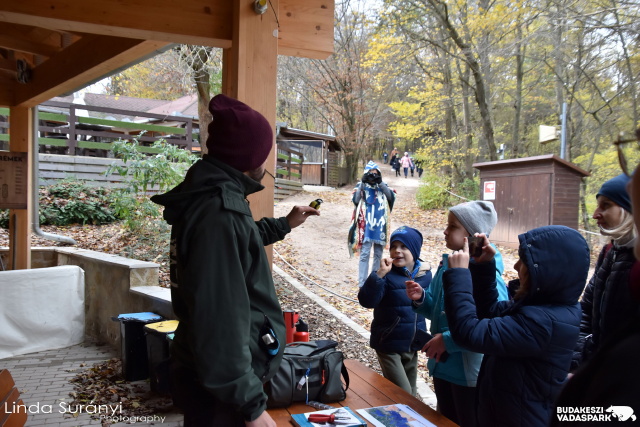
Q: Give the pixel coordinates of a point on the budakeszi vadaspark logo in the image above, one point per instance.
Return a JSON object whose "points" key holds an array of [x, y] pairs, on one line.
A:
{"points": [[595, 413]]}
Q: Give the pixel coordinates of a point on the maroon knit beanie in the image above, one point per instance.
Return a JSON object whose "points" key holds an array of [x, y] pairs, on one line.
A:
{"points": [[238, 135]]}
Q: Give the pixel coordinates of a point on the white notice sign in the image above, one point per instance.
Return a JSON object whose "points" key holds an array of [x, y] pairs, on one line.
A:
{"points": [[13, 180], [489, 192]]}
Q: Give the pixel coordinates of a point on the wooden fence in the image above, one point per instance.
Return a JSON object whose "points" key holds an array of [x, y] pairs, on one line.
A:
{"points": [[289, 164], [55, 167], [69, 133]]}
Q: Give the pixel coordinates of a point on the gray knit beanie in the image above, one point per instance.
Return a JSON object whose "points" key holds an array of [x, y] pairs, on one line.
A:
{"points": [[476, 217]]}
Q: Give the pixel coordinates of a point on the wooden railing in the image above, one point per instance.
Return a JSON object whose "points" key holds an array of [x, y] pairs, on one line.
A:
{"points": [[289, 164], [62, 133]]}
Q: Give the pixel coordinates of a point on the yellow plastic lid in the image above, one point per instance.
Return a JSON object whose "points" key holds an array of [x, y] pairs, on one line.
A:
{"points": [[165, 326]]}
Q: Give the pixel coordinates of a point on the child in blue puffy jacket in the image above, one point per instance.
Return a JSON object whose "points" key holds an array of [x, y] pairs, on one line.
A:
{"points": [[394, 325], [528, 341]]}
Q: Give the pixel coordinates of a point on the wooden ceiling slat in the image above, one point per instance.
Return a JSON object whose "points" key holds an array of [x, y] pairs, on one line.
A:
{"points": [[86, 60], [22, 45]]}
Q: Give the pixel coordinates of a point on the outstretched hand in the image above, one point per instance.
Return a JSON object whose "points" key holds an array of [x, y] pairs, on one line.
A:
{"points": [[299, 214], [414, 290]]}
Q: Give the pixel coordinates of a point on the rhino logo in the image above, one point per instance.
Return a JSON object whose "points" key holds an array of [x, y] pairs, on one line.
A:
{"points": [[622, 413]]}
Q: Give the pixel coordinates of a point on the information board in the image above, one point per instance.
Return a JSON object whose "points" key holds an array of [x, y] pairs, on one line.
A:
{"points": [[13, 180]]}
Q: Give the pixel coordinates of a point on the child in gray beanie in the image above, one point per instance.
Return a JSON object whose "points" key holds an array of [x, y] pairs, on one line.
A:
{"points": [[476, 217], [455, 378]]}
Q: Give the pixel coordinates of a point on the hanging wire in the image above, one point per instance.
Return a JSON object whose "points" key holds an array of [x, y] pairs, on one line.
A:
{"points": [[320, 286], [274, 14]]}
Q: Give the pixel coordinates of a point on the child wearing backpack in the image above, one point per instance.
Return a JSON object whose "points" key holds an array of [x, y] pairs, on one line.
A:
{"points": [[394, 325], [455, 379]]}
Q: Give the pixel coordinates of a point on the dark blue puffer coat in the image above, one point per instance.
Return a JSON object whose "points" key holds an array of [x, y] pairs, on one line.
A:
{"points": [[394, 322], [528, 343]]}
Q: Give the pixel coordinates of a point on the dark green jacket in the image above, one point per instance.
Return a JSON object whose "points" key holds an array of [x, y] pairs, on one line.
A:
{"points": [[221, 284]]}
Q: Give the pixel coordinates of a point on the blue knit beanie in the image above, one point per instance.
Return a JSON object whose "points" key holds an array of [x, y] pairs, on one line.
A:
{"points": [[616, 190], [410, 237]]}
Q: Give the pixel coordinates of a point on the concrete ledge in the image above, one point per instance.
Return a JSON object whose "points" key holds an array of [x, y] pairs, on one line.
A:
{"points": [[160, 299]]}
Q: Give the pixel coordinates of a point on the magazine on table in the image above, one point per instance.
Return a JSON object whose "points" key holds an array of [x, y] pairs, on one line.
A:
{"points": [[395, 415], [343, 417]]}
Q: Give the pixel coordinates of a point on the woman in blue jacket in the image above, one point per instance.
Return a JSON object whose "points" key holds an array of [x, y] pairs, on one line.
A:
{"points": [[394, 325], [528, 341]]}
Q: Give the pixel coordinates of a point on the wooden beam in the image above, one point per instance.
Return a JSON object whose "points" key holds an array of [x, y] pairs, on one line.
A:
{"points": [[305, 26], [200, 22], [250, 75], [22, 45], [87, 59], [20, 140]]}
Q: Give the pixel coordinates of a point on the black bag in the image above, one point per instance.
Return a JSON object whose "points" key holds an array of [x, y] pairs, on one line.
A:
{"points": [[309, 371]]}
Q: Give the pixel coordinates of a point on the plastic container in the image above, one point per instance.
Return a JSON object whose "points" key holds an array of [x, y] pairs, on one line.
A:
{"points": [[302, 332], [158, 353], [135, 365], [290, 320]]}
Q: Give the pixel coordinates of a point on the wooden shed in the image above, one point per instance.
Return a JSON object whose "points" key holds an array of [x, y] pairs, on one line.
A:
{"points": [[530, 192], [321, 155]]}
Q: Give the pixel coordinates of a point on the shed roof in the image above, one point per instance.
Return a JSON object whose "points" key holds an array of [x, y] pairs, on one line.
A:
{"points": [[523, 160]]}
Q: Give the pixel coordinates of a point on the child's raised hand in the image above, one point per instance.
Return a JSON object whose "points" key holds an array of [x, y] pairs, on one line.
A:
{"points": [[460, 259], [385, 267], [488, 251], [414, 290]]}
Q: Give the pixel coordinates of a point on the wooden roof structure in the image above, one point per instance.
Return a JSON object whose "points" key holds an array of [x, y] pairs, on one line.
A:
{"points": [[50, 48]]}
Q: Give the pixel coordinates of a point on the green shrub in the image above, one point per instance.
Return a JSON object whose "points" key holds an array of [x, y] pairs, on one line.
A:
{"points": [[432, 192], [145, 173], [71, 202]]}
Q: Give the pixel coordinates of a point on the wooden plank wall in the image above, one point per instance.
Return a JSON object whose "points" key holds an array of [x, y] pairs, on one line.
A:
{"points": [[312, 173], [285, 188], [55, 167]]}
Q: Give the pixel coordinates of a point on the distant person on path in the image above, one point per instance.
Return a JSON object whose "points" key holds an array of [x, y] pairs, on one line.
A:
{"points": [[406, 163], [455, 379], [395, 164], [385, 156], [221, 284], [394, 152], [527, 341], [606, 302], [373, 200], [419, 168], [394, 325]]}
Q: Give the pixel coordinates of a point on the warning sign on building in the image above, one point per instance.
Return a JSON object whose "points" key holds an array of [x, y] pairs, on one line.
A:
{"points": [[13, 180], [489, 192]]}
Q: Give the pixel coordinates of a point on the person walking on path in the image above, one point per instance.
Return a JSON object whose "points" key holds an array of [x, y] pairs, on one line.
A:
{"points": [[373, 200], [231, 334], [395, 325], [406, 163]]}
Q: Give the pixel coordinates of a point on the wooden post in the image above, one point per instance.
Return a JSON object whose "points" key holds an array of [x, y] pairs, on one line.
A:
{"points": [[20, 140], [249, 70]]}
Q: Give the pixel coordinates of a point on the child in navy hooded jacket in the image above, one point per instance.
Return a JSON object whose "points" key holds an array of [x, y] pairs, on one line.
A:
{"points": [[528, 341], [394, 325]]}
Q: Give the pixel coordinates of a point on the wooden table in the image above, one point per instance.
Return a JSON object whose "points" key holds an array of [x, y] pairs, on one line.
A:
{"points": [[366, 389]]}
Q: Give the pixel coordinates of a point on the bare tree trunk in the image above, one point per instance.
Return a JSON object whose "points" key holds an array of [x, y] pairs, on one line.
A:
{"points": [[440, 9], [517, 104]]}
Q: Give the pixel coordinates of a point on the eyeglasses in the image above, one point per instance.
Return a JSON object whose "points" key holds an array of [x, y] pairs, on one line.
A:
{"points": [[626, 151]]}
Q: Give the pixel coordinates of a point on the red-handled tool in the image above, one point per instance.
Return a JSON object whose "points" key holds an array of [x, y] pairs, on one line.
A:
{"points": [[328, 418]]}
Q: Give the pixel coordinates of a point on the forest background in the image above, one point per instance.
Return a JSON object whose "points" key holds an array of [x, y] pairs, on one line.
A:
{"points": [[453, 82]]}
